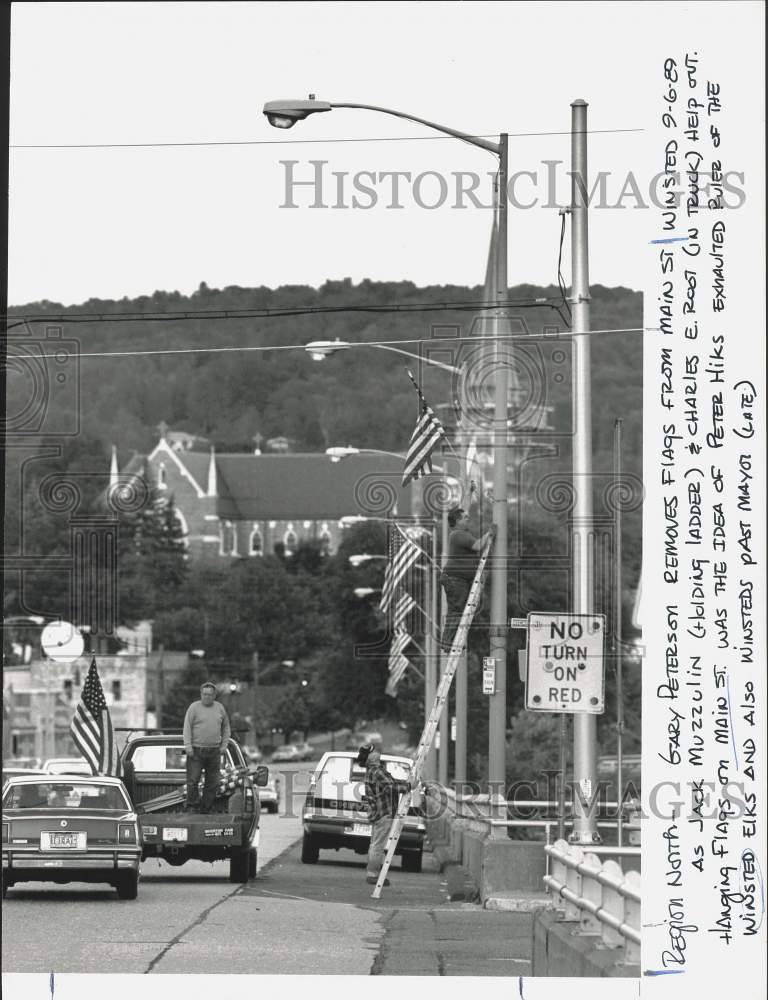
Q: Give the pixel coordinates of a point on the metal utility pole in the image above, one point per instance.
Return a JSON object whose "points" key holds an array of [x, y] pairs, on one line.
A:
{"points": [[497, 709], [584, 724], [617, 638]]}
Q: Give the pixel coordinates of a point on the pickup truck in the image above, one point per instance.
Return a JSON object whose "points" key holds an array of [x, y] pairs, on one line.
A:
{"points": [[154, 774]]}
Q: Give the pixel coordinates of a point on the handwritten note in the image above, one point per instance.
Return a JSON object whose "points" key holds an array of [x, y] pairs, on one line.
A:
{"points": [[704, 736]]}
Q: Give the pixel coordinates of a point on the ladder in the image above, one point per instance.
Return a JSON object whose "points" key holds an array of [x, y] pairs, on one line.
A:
{"points": [[428, 735]]}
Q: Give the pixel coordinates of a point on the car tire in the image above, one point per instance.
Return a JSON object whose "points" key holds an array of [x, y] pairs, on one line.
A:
{"points": [[310, 852], [411, 861], [252, 862], [273, 808], [128, 885], [239, 865]]}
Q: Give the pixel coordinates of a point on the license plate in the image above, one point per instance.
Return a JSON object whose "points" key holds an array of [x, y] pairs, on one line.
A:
{"points": [[358, 829], [174, 833], [57, 841]]}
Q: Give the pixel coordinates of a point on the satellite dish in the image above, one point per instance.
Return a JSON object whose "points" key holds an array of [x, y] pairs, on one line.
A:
{"points": [[62, 642]]}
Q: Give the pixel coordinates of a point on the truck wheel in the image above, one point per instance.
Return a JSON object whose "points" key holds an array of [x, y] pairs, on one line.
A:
{"points": [[412, 861], [239, 865], [309, 850], [128, 885], [252, 862]]}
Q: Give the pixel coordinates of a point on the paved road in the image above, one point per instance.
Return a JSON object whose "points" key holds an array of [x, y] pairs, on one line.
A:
{"points": [[294, 918]]}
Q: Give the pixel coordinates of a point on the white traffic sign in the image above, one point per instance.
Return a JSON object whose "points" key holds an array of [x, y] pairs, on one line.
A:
{"points": [[489, 675], [565, 669], [518, 623]]}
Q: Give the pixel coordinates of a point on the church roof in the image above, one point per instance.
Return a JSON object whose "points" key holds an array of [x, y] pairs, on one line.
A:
{"points": [[306, 487]]}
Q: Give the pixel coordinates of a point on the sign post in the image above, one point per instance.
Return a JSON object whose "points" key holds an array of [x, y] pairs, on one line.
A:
{"points": [[565, 664]]}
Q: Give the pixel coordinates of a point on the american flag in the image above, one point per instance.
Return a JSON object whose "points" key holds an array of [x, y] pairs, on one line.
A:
{"points": [[92, 727], [426, 435], [403, 607], [406, 556], [396, 671]]}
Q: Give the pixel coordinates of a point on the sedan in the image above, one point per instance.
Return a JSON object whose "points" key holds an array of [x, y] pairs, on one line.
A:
{"points": [[59, 828], [269, 795], [306, 751], [287, 753]]}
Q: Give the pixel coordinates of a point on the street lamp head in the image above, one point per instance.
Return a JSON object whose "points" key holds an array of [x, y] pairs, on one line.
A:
{"points": [[318, 350], [285, 114], [364, 591]]}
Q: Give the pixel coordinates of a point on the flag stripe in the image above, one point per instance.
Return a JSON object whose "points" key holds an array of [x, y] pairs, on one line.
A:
{"points": [[406, 556]]}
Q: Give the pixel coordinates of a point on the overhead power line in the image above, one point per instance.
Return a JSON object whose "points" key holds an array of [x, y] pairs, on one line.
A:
{"points": [[432, 341], [296, 142], [275, 312]]}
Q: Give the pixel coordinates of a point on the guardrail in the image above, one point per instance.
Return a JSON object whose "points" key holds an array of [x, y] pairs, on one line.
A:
{"points": [[604, 899]]}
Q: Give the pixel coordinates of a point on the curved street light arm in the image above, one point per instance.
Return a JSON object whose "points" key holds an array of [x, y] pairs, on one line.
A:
{"points": [[418, 357], [473, 140]]}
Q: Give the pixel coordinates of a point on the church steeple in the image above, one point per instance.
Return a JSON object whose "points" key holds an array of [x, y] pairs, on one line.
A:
{"points": [[113, 470], [212, 488]]}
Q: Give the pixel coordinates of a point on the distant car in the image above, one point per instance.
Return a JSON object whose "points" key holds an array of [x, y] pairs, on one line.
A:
{"points": [[67, 765], [60, 828], [25, 763], [253, 755], [360, 736], [306, 751], [287, 753], [269, 796], [335, 813]]}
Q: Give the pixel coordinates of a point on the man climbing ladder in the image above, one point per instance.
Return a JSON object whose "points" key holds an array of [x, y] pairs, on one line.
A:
{"points": [[457, 648]]}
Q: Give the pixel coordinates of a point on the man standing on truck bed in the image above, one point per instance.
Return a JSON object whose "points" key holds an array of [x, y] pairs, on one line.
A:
{"points": [[206, 734]]}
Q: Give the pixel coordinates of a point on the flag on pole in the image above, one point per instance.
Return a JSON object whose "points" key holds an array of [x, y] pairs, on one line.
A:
{"points": [[426, 435], [403, 607], [396, 675], [399, 643], [92, 727], [397, 567]]}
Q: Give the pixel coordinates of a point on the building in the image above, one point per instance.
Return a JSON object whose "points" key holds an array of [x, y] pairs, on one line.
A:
{"points": [[252, 504]]}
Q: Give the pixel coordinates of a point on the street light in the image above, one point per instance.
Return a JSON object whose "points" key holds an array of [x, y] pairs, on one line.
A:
{"points": [[319, 350], [363, 557], [284, 114]]}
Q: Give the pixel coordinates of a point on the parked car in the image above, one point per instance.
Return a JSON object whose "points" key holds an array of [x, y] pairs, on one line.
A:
{"points": [[335, 814], [67, 765], [306, 751], [60, 828], [269, 795], [253, 755], [286, 753]]}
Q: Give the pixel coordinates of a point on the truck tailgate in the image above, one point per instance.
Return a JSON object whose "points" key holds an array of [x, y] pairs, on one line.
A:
{"points": [[180, 829]]}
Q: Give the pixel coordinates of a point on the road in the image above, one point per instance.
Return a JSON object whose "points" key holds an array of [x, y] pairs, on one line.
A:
{"points": [[294, 918]]}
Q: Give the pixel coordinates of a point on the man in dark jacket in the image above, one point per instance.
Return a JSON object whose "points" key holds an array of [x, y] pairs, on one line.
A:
{"points": [[459, 570], [382, 793]]}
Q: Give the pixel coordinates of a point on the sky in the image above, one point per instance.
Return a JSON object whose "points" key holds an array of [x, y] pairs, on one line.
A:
{"points": [[114, 222]]}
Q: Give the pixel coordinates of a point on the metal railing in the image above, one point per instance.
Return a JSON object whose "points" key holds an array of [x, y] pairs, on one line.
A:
{"points": [[604, 899]]}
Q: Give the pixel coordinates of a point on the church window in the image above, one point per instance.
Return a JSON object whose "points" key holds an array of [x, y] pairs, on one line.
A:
{"points": [[257, 543]]}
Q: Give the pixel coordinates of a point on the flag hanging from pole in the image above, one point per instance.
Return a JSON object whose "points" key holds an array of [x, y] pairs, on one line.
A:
{"points": [[426, 435], [91, 727], [396, 675], [403, 607], [405, 557]]}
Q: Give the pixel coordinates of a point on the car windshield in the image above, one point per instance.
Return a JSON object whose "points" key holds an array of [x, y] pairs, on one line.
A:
{"points": [[64, 795], [341, 776]]}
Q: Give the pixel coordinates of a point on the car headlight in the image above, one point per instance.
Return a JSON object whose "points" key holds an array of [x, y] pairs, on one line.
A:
{"points": [[126, 833]]}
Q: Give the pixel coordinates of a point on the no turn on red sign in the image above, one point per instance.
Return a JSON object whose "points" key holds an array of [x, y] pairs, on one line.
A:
{"points": [[565, 669]]}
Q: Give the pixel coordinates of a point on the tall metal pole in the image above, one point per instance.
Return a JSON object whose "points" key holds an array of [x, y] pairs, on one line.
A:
{"points": [[430, 666], [617, 638], [442, 769], [497, 709], [584, 723], [460, 749]]}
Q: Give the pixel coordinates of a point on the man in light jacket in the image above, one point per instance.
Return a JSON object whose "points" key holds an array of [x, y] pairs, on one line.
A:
{"points": [[206, 734]]}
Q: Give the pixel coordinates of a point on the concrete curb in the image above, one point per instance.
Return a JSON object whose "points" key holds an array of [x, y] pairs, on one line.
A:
{"points": [[519, 902]]}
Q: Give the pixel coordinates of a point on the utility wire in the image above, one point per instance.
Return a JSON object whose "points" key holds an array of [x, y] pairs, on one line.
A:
{"points": [[560, 279], [296, 142], [363, 343], [278, 312]]}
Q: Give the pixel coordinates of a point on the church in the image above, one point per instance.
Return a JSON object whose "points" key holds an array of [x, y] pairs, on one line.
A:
{"points": [[249, 504]]}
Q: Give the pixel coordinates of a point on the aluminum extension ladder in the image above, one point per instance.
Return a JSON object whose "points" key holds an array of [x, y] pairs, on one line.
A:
{"points": [[428, 735]]}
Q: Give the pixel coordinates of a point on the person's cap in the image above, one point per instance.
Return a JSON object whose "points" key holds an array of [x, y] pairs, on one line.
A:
{"points": [[363, 754], [208, 684]]}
